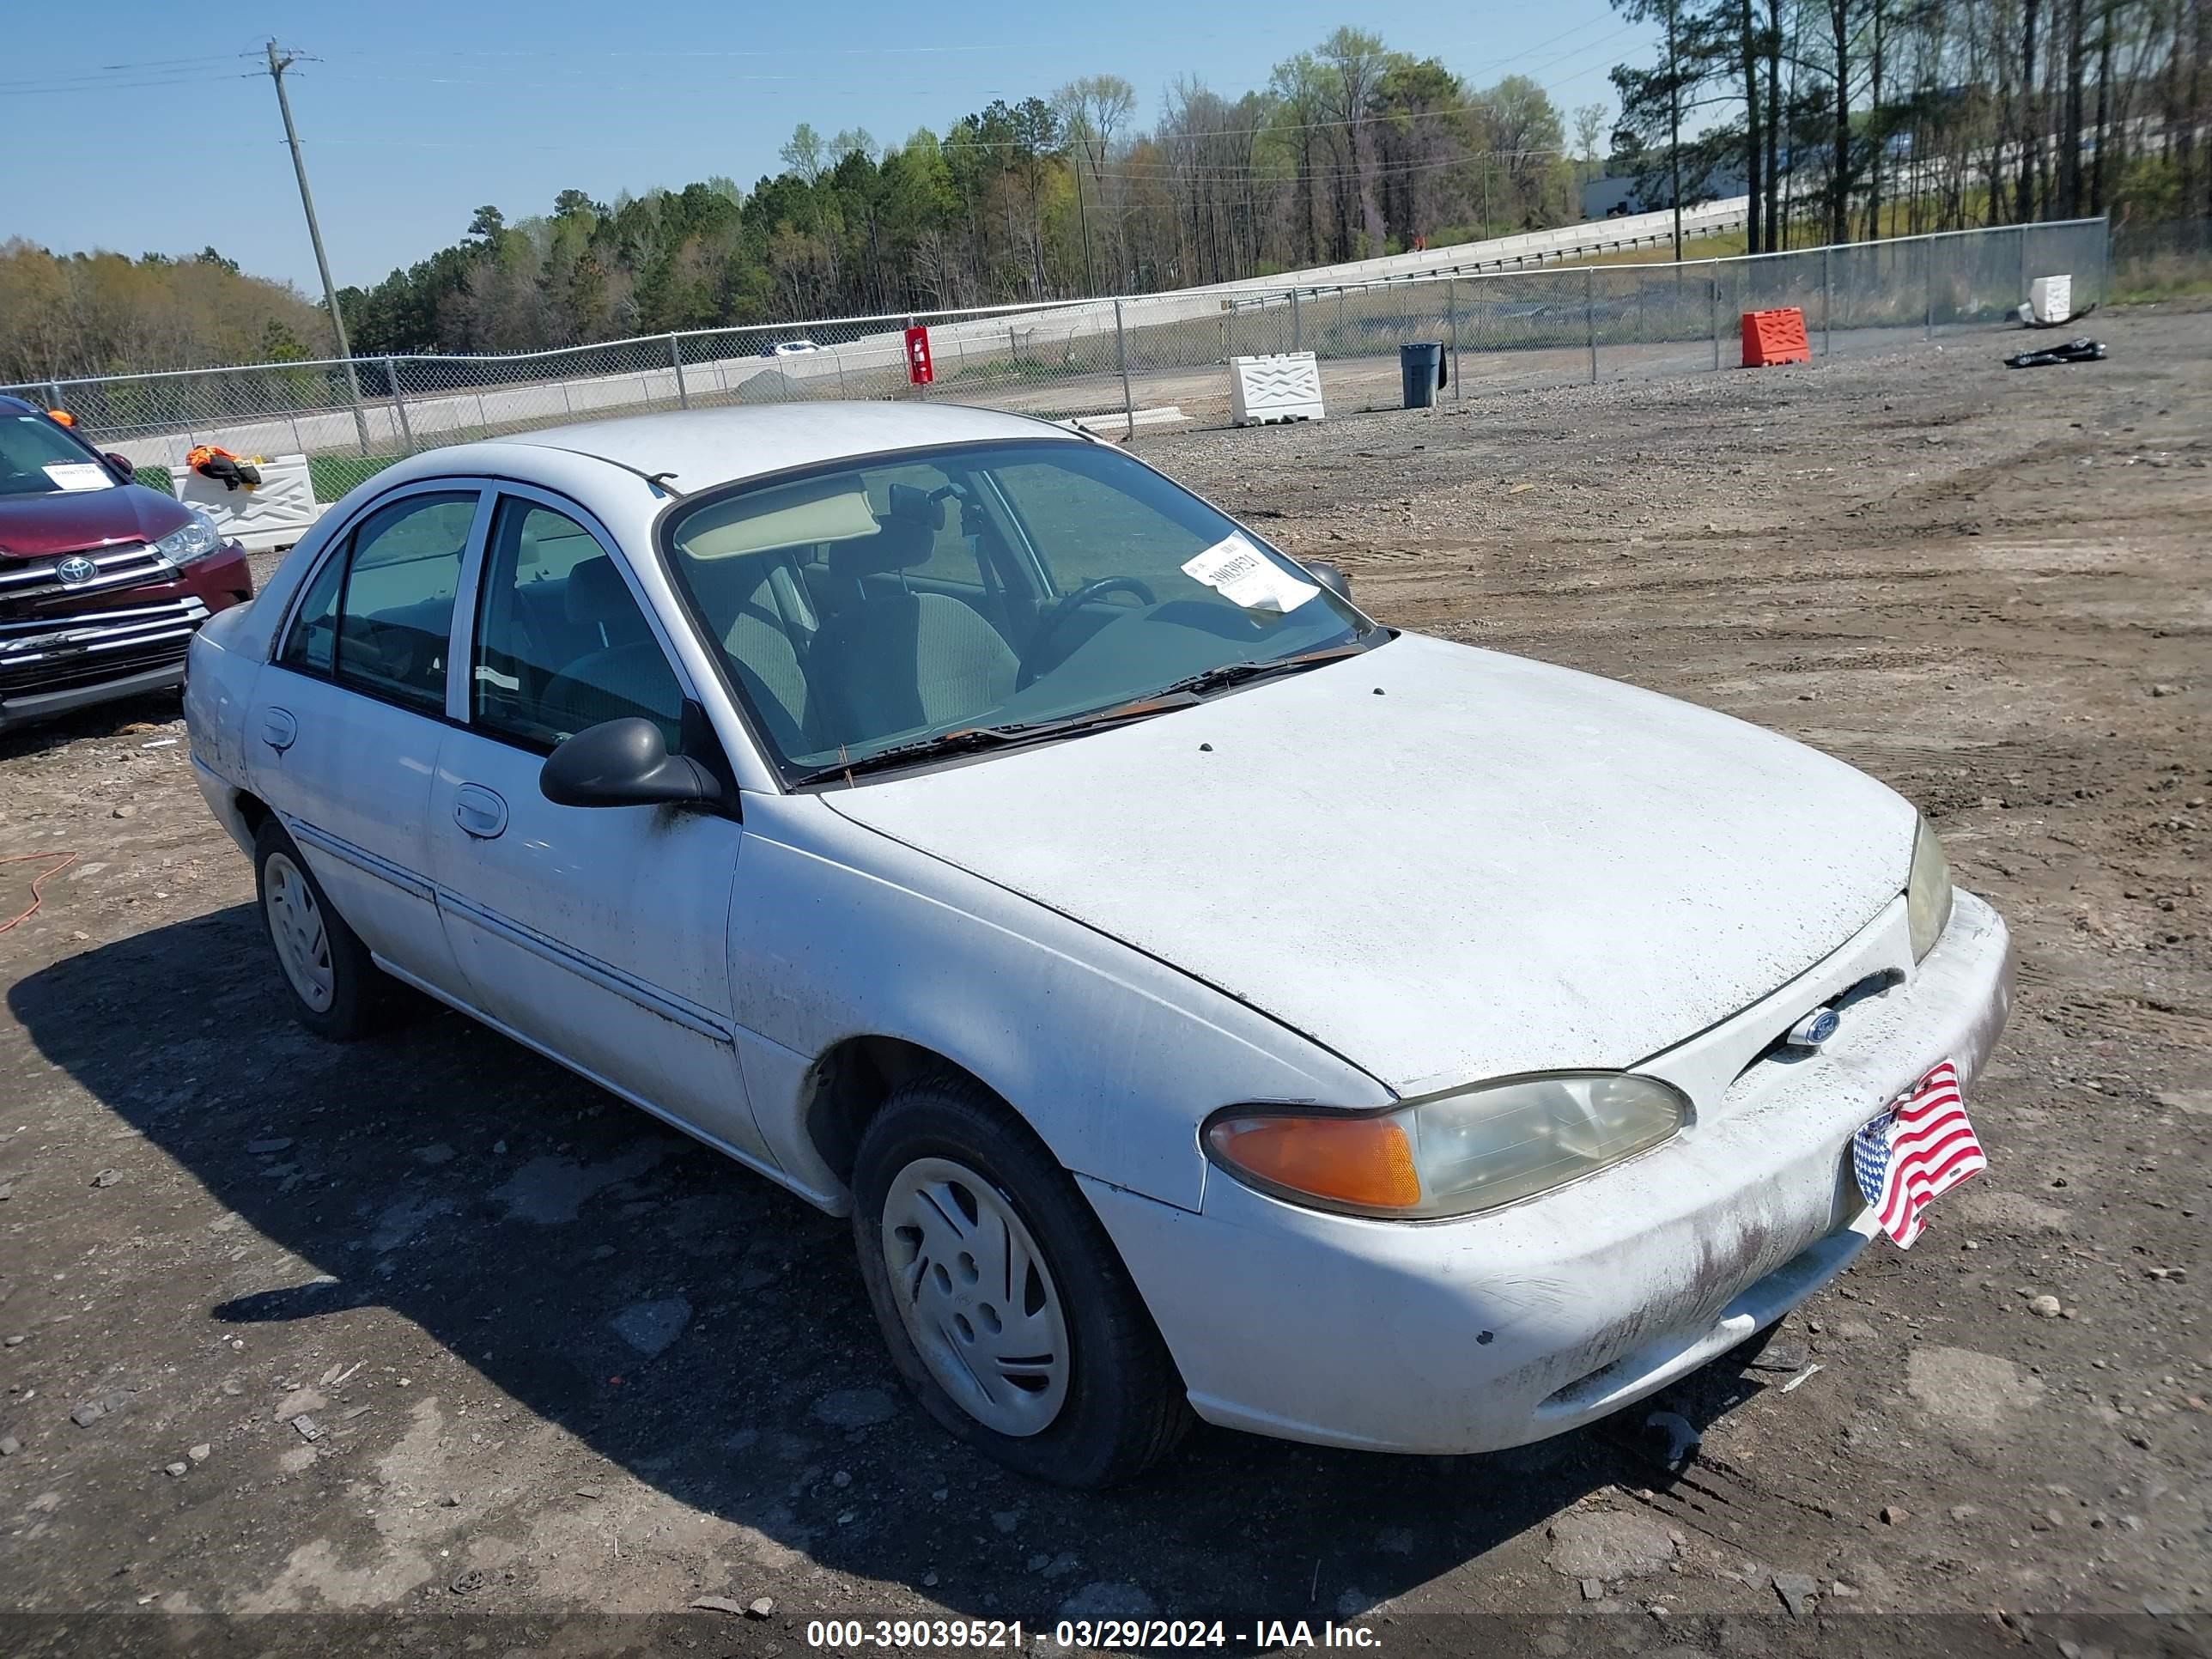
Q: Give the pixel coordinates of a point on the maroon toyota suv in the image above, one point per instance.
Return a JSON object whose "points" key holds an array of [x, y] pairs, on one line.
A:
{"points": [[103, 581]]}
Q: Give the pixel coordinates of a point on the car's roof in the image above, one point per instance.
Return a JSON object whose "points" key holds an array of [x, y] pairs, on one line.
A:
{"points": [[702, 447]]}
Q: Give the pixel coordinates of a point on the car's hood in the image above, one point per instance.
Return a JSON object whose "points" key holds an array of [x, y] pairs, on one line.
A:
{"points": [[1443, 863], [75, 520]]}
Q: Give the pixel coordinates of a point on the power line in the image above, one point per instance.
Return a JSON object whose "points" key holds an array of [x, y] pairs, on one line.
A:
{"points": [[40, 88]]}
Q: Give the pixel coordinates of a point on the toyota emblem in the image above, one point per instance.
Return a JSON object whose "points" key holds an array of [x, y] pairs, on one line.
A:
{"points": [[76, 569]]}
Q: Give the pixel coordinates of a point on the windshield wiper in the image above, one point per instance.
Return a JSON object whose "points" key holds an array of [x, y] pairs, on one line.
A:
{"points": [[1180, 694], [1237, 673], [973, 737]]}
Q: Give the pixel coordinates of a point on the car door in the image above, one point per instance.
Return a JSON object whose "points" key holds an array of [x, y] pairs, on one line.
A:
{"points": [[344, 735], [600, 935]]}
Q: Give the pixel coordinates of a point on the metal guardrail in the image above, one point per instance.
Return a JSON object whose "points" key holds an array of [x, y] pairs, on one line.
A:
{"points": [[1120, 363]]}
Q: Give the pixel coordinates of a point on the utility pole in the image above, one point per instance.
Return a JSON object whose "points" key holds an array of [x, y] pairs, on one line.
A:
{"points": [[276, 68]]}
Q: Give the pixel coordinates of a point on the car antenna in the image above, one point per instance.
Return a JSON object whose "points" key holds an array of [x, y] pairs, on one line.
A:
{"points": [[658, 480]]}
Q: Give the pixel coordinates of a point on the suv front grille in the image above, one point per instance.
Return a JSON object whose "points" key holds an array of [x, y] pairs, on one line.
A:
{"points": [[120, 567], [56, 652]]}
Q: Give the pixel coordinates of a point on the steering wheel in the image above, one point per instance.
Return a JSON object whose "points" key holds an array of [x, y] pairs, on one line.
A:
{"points": [[1051, 622]]}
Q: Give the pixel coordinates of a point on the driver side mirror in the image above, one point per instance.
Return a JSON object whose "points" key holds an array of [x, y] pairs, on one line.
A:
{"points": [[1329, 576], [624, 763], [122, 464]]}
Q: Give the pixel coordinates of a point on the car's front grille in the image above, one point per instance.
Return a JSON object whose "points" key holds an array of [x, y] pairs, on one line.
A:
{"points": [[118, 567], [56, 652]]}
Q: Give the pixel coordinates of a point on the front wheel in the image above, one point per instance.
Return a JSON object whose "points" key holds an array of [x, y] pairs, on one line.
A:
{"points": [[1003, 1304]]}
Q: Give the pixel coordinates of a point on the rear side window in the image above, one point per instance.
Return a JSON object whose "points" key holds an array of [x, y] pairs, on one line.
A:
{"points": [[312, 643], [379, 617]]}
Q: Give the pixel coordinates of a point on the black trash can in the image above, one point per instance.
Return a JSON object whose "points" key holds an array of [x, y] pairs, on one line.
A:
{"points": [[1421, 367]]}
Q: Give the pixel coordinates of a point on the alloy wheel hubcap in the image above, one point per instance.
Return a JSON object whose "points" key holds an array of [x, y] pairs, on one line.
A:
{"points": [[977, 1297], [296, 924]]}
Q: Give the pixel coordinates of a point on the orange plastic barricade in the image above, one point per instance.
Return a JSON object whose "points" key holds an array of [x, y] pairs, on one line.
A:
{"points": [[1775, 337]]}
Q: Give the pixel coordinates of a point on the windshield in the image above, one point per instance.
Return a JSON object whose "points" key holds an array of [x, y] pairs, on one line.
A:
{"points": [[874, 606], [37, 459]]}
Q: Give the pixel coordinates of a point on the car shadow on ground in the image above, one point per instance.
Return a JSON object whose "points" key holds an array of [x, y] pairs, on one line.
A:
{"points": [[544, 1235]]}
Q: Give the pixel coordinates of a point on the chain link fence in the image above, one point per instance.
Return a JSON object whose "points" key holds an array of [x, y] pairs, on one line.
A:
{"points": [[2154, 261], [1154, 361]]}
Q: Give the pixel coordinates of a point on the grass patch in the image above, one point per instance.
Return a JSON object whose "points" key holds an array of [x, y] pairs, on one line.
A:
{"points": [[334, 475]]}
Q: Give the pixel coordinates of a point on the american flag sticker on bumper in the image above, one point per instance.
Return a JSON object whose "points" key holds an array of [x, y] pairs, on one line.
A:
{"points": [[1915, 1152]]}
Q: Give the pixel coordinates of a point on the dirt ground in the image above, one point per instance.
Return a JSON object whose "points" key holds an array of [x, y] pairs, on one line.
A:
{"points": [[292, 1328]]}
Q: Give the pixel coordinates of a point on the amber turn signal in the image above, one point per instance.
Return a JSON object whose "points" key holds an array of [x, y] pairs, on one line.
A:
{"points": [[62, 416], [1363, 1162]]}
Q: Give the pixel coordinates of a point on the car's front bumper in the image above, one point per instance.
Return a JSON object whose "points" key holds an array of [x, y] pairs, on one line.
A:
{"points": [[1499, 1329], [121, 643]]}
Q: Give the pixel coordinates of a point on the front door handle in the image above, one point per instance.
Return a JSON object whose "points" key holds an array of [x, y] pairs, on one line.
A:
{"points": [[278, 728], [479, 812]]}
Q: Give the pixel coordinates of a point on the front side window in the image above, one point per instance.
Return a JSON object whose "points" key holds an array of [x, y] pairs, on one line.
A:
{"points": [[561, 644], [1134, 587]]}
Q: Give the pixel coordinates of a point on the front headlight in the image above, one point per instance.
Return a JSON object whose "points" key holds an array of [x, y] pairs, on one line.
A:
{"points": [[1451, 1154], [187, 541], [1926, 891]]}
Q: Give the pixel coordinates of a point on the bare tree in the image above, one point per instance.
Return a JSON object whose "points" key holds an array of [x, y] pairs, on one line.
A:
{"points": [[1358, 60], [1095, 109]]}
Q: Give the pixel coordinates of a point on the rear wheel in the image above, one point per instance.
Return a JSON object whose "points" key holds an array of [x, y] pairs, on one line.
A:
{"points": [[1003, 1304], [337, 991]]}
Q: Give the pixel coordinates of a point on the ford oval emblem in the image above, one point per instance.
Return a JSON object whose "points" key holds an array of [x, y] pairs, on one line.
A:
{"points": [[76, 569], [1815, 1029]]}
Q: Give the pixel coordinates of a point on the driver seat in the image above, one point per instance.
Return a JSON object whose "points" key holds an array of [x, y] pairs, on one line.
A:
{"points": [[896, 661]]}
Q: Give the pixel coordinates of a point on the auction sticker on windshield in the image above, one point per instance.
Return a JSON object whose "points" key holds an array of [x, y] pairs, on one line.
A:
{"points": [[78, 475], [1243, 575]]}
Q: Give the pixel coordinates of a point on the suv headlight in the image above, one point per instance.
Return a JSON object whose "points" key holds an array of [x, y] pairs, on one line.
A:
{"points": [[188, 542], [1926, 891], [1451, 1154]]}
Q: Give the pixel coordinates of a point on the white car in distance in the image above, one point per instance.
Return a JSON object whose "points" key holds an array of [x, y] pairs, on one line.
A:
{"points": [[1202, 998]]}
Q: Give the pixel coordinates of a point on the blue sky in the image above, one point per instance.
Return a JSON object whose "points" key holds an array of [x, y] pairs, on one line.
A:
{"points": [[419, 112]]}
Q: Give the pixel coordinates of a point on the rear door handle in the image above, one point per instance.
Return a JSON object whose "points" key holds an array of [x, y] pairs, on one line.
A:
{"points": [[278, 728], [479, 812]]}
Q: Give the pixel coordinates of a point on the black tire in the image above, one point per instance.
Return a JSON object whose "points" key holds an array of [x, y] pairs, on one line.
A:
{"points": [[364, 999], [1125, 1406]]}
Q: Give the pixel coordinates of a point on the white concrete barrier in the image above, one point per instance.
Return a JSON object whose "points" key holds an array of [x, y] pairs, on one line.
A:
{"points": [[1284, 385]]}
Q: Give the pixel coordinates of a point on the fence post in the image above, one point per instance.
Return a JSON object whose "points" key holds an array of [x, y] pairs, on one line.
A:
{"points": [[1928, 284], [1713, 309], [676, 358], [398, 403], [1297, 334], [1828, 298], [1451, 316], [54, 391], [1589, 315], [1121, 357], [2020, 298], [2104, 259]]}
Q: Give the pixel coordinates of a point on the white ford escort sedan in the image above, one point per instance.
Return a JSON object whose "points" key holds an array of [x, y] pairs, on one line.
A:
{"points": [[1202, 998]]}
